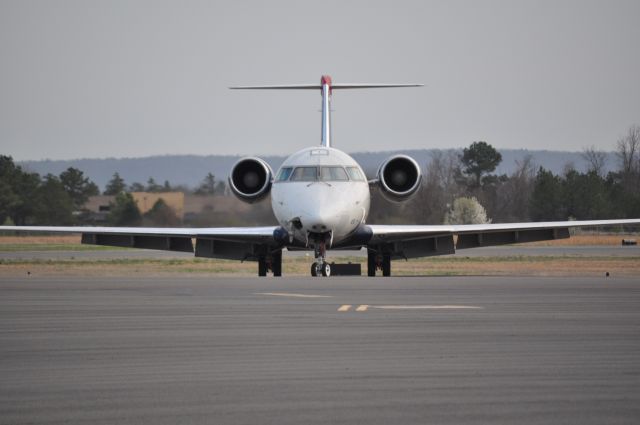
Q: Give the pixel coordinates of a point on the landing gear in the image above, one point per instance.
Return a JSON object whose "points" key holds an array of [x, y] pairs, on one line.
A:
{"points": [[378, 261], [320, 267], [262, 267], [386, 265], [371, 263], [276, 263], [271, 262]]}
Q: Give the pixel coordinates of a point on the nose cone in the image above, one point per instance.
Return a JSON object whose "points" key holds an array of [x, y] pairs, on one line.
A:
{"points": [[320, 221]]}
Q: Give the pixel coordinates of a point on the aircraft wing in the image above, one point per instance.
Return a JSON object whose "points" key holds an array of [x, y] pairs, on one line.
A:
{"points": [[408, 241], [242, 243]]}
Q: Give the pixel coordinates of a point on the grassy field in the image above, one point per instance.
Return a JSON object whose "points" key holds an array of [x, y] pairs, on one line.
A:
{"points": [[299, 266], [48, 243], [438, 266]]}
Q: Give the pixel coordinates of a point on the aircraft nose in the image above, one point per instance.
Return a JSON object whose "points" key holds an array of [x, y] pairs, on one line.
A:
{"points": [[318, 221]]}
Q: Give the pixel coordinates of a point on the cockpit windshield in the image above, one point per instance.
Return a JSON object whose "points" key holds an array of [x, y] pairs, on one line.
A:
{"points": [[305, 174], [325, 174], [333, 174], [284, 174], [355, 174]]}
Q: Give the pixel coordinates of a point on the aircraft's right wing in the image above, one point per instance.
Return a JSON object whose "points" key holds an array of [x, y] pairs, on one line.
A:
{"points": [[236, 243], [408, 241]]}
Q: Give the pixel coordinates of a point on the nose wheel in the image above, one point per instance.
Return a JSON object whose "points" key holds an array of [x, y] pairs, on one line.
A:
{"points": [[321, 269]]}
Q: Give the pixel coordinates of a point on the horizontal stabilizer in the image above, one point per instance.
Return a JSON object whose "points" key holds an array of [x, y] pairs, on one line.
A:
{"points": [[319, 86], [280, 87], [326, 87], [372, 86]]}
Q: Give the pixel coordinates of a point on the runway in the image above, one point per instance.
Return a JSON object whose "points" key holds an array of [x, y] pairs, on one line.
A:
{"points": [[447, 350]]}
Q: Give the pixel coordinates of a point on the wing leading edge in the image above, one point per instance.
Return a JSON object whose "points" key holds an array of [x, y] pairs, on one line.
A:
{"points": [[408, 241], [404, 232]]}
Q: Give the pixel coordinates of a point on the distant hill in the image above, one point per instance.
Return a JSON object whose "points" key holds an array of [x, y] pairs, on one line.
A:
{"points": [[189, 170]]}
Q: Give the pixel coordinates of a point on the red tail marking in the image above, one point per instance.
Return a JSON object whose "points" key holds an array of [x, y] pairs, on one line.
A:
{"points": [[326, 79]]}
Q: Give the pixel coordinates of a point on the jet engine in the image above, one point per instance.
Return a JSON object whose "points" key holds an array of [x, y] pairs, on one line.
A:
{"points": [[250, 179], [399, 178]]}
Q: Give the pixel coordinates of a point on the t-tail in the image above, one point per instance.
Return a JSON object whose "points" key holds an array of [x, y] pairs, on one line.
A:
{"points": [[326, 88]]}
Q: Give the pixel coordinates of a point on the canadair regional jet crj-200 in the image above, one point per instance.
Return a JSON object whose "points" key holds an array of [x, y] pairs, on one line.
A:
{"points": [[320, 197]]}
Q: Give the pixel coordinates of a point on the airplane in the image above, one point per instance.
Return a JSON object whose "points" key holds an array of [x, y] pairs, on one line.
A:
{"points": [[321, 198]]}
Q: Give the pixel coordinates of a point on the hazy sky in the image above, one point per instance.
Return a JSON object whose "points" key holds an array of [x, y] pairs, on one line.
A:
{"points": [[135, 78]]}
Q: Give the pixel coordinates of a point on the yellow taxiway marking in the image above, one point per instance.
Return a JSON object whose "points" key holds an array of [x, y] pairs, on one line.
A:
{"points": [[286, 294], [427, 307], [364, 307]]}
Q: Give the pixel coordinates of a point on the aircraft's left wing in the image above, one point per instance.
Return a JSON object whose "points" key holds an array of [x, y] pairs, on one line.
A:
{"points": [[407, 241], [238, 243]]}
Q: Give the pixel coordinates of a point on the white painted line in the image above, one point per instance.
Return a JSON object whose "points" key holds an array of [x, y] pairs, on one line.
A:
{"points": [[285, 294], [344, 308], [363, 307], [427, 307]]}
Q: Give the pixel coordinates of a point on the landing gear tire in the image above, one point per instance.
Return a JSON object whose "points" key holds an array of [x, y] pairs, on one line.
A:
{"points": [[270, 264], [262, 267], [386, 265], [276, 264], [326, 270], [371, 264], [320, 269]]}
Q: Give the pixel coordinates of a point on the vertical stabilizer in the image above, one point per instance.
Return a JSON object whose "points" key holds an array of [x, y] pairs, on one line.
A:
{"points": [[325, 138]]}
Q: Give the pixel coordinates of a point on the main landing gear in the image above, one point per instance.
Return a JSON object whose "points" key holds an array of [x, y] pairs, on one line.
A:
{"points": [[378, 261], [272, 263], [320, 267]]}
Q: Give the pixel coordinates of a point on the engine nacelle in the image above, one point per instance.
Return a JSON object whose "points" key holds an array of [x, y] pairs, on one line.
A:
{"points": [[399, 178], [250, 179]]}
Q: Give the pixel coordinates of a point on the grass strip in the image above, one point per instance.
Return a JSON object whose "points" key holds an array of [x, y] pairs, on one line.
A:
{"points": [[441, 266]]}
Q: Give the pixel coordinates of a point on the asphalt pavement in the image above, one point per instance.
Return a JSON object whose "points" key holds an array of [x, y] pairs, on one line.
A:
{"points": [[447, 350]]}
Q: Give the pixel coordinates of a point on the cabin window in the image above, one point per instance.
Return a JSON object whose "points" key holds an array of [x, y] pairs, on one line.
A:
{"points": [[355, 174], [333, 174], [284, 173], [305, 174]]}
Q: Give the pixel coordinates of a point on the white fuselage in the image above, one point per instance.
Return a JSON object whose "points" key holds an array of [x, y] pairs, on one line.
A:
{"points": [[325, 204]]}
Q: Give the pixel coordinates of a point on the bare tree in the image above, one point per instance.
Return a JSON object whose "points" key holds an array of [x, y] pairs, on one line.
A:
{"points": [[439, 189], [514, 194], [596, 160], [629, 151]]}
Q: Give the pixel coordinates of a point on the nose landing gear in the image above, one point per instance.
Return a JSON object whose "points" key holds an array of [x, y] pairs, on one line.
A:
{"points": [[320, 267]]}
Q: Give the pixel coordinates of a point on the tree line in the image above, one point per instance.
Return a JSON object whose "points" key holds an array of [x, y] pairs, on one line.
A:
{"points": [[457, 187], [27, 198], [209, 186], [530, 193]]}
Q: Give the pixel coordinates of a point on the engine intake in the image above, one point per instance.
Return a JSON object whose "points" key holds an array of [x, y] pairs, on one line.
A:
{"points": [[399, 178], [250, 179]]}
